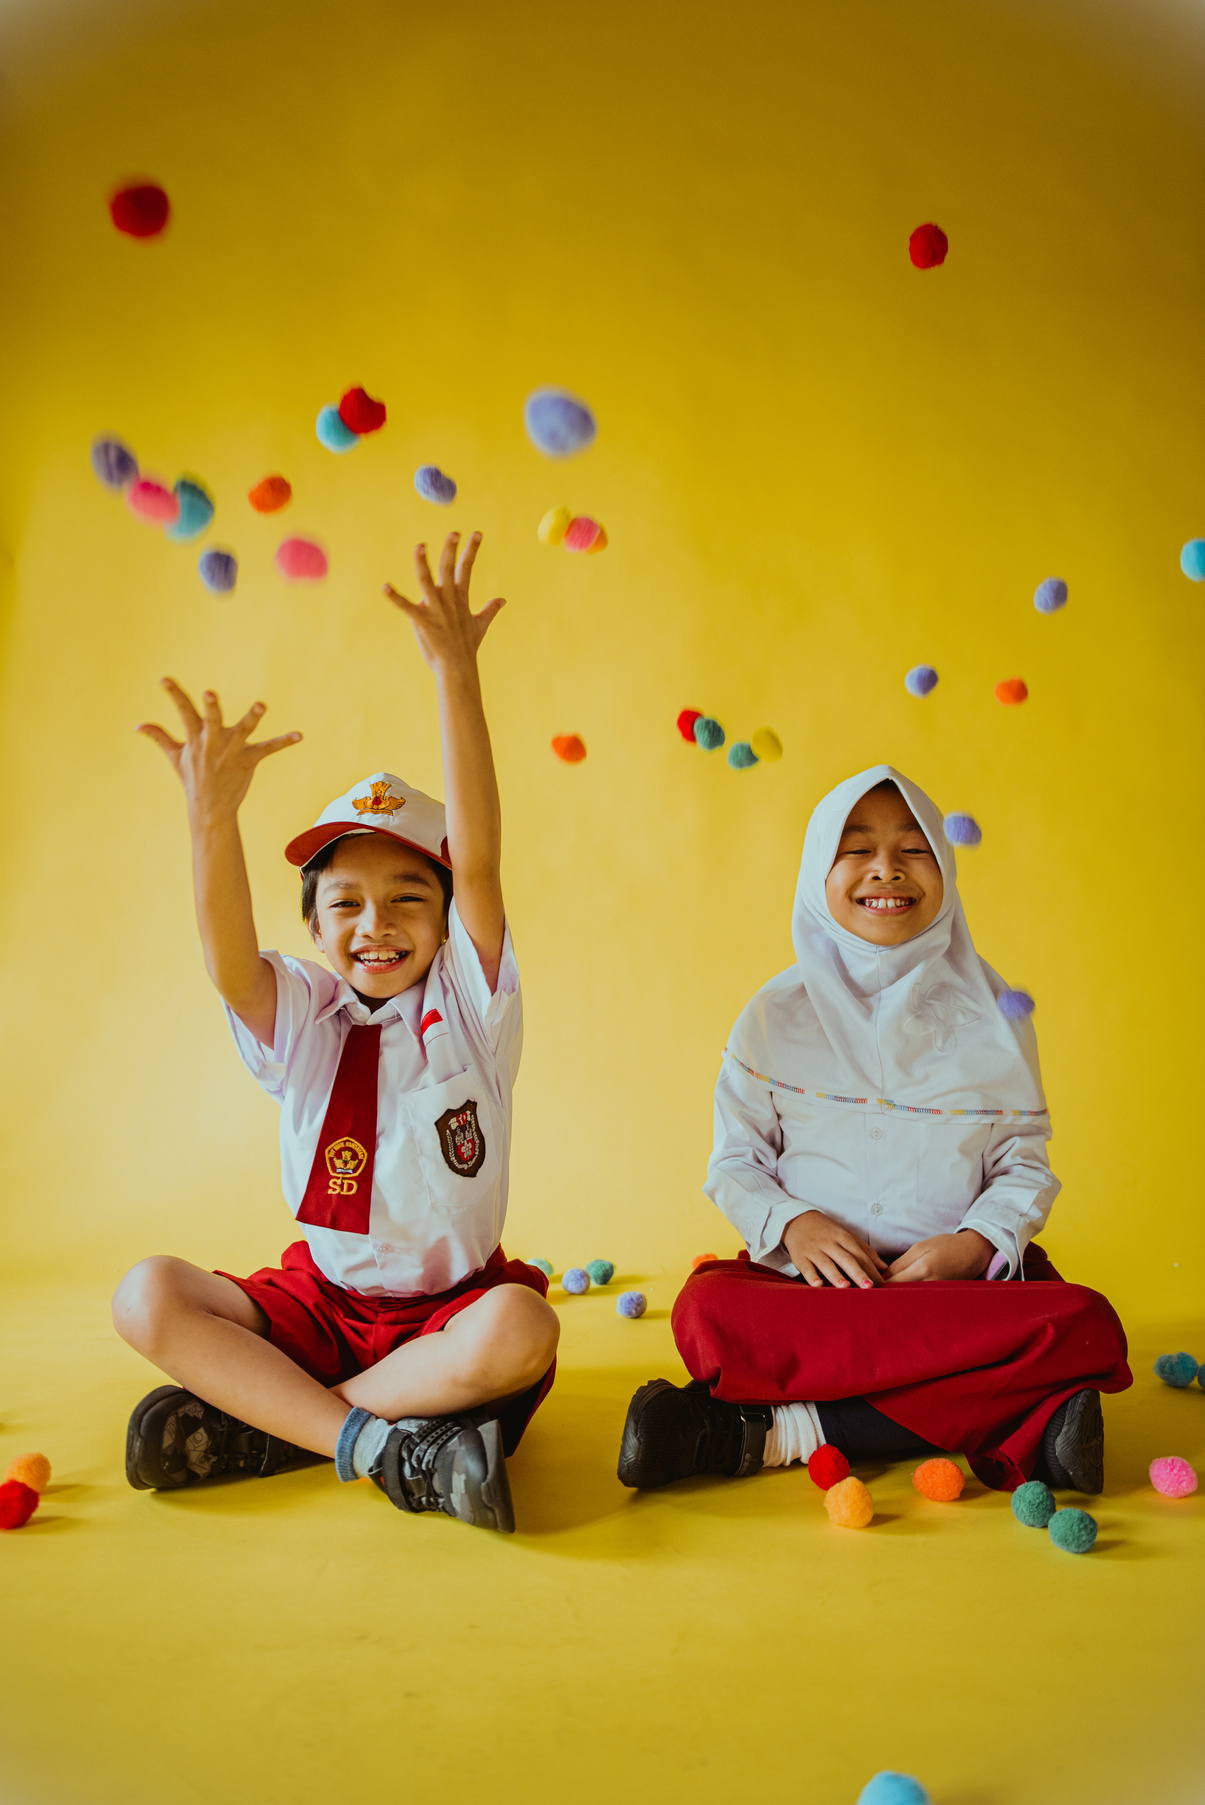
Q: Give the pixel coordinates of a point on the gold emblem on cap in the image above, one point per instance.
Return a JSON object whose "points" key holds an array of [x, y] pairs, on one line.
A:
{"points": [[379, 803]]}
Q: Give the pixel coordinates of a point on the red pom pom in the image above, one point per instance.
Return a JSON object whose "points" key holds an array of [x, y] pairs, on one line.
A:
{"points": [[270, 495], [827, 1466], [569, 748], [17, 1504], [140, 211], [686, 724], [360, 413], [927, 246], [1011, 691]]}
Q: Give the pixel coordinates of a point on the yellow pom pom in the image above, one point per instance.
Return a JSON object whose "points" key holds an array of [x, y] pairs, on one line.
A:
{"points": [[30, 1469], [766, 744], [939, 1479], [849, 1504], [554, 526]]}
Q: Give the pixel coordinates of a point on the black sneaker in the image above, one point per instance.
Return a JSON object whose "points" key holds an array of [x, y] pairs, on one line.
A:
{"points": [[1073, 1446], [176, 1439], [673, 1432], [448, 1463]]}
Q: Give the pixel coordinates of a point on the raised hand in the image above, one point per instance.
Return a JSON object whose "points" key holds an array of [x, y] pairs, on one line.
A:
{"points": [[447, 629], [215, 763]]}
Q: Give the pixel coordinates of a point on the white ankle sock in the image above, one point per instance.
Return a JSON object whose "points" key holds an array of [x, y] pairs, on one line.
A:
{"points": [[794, 1434]]}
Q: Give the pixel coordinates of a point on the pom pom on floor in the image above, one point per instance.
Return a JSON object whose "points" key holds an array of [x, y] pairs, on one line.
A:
{"points": [[1074, 1531], [704, 1259], [741, 756], [766, 745], [962, 830], [889, 1788], [17, 1504], [114, 463], [631, 1303], [301, 561], [708, 733], [1011, 691], [686, 724], [270, 495], [576, 1281], [827, 1466], [1015, 1003], [196, 510], [927, 246], [1173, 1476], [1050, 595], [544, 1266], [1176, 1369], [1192, 560], [151, 501], [30, 1469], [433, 485], [601, 1271], [581, 535], [920, 680], [570, 748], [332, 432], [1033, 1504], [558, 424], [849, 1504], [140, 211], [360, 413], [939, 1479], [554, 526], [218, 570]]}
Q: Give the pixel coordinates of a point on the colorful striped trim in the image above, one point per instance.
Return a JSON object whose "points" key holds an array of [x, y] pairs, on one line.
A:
{"points": [[905, 1109]]}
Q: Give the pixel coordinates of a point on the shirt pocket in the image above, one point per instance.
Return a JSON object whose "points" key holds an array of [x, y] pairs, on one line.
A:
{"points": [[458, 1141]]}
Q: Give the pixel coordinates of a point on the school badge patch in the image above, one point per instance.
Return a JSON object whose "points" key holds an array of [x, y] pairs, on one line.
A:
{"points": [[344, 1161], [381, 801], [461, 1141]]}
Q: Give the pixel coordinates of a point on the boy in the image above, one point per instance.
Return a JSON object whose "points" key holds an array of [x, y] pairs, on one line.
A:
{"points": [[396, 1337]]}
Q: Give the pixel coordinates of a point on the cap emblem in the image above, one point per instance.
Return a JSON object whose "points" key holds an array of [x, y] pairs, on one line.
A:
{"points": [[379, 803]]}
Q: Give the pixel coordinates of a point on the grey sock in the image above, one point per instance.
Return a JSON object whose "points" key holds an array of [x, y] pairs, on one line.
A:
{"points": [[360, 1442]]}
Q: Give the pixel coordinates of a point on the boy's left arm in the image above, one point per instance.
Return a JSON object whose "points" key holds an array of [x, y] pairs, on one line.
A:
{"points": [[449, 634], [1018, 1191]]}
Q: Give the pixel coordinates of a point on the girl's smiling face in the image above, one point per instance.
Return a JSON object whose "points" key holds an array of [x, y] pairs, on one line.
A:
{"points": [[885, 885]]}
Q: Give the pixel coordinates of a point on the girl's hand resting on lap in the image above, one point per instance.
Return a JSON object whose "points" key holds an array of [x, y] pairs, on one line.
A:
{"points": [[823, 1250], [964, 1255]]}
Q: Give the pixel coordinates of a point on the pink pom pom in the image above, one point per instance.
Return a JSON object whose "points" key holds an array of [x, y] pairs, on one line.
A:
{"points": [[1173, 1476], [151, 501], [581, 534], [301, 561]]}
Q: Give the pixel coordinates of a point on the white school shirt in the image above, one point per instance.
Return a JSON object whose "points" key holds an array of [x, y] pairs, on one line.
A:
{"points": [[429, 1227]]}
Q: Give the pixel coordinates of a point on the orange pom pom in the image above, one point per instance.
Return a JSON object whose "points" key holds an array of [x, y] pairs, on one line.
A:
{"points": [[849, 1504], [703, 1259], [939, 1479], [270, 495], [31, 1469], [570, 748], [1011, 690], [17, 1504]]}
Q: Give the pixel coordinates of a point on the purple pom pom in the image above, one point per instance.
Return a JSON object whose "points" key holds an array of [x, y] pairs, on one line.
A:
{"points": [[114, 463], [962, 830], [920, 680], [1015, 1003], [576, 1280], [433, 485], [1050, 595], [557, 424], [218, 571], [631, 1303]]}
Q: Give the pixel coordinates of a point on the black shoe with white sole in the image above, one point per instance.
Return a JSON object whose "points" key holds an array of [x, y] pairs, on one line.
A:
{"points": [[673, 1432], [176, 1439], [1073, 1445], [448, 1463]]}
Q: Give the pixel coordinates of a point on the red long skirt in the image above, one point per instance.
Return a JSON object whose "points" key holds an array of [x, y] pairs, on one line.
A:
{"points": [[977, 1367]]}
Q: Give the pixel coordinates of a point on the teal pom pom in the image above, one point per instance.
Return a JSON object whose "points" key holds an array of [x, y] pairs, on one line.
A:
{"points": [[1033, 1504], [893, 1789], [1192, 560], [544, 1266], [332, 432], [708, 733], [1072, 1530], [741, 755], [631, 1303], [196, 510], [1176, 1369], [576, 1281], [601, 1271], [218, 570]]}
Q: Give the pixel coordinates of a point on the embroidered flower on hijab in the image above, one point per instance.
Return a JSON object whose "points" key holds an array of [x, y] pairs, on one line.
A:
{"points": [[940, 1012]]}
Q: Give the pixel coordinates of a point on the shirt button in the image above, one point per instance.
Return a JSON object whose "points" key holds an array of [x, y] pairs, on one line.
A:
{"points": [[876, 1209], [876, 1134]]}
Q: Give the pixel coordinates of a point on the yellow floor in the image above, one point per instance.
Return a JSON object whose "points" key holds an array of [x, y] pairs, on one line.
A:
{"points": [[295, 1640]]}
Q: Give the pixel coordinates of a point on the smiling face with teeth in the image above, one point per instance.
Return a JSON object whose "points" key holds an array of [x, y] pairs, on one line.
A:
{"points": [[379, 915], [885, 885]]}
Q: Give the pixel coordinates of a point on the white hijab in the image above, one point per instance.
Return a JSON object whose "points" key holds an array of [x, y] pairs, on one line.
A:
{"points": [[915, 1026]]}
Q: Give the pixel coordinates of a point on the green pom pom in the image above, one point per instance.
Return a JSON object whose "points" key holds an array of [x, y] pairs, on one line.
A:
{"points": [[708, 733], [544, 1266], [601, 1271], [1073, 1530], [741, 756], [1033, 1504]]}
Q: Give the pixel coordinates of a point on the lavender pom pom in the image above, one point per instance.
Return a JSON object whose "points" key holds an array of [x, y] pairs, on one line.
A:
{"points": [[576, 1280], [218, 571], [920, 680], [433, 485], [1015, 1003], [557, 424], [114, 463], [962, 830], [631, 1303], [1050, 595]]}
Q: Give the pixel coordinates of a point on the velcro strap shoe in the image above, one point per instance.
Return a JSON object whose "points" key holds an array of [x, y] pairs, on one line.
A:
{"points": [[451, 1464]]}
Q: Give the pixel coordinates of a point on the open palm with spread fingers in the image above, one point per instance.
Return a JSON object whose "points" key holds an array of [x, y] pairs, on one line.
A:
{"points": [[214, 762], [448, 630]]}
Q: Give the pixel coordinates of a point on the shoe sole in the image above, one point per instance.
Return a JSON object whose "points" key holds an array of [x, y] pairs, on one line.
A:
{"points": [[635, 1469], [1079, 1447], [136, 1442]]}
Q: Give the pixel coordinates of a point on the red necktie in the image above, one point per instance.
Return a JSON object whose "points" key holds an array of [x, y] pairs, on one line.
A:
{"points": [[339, 1194]]}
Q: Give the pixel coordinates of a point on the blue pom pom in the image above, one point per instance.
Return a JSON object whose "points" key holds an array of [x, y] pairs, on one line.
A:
{"points": [[196, 511], [332, 432], [576, 1280], [114, 463], [1177, 1369], [1072, 1530], [888, 1788], [1201, 1376], [1050, 595], [631, 1303], [708, 733], [1033, 1504], [1015, 1003], [218, 570], [962, 830], [433, 485], [1192, 560], [557, 424], [741, 755], [920, 680], [544, 1266], [601, 1271]]}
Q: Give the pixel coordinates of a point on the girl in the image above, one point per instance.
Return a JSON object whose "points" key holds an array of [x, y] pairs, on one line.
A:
{"points": [[881, 1146]]}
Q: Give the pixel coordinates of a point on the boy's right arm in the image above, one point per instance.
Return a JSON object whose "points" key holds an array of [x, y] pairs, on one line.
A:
{"points": [[215, 764]]}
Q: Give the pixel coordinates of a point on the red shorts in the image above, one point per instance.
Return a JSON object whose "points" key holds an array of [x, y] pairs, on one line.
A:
{"points": [[333, 1334]]}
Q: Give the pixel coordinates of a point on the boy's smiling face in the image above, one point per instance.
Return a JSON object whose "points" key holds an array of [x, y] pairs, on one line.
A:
{"points": [[379, 916], [884, 885]]}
